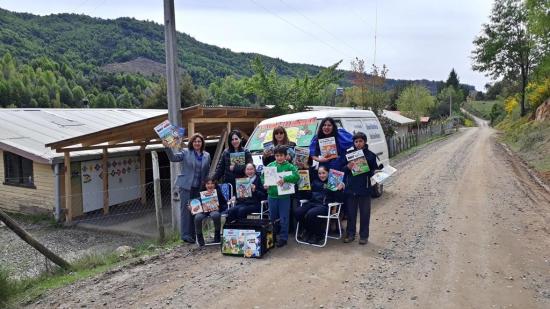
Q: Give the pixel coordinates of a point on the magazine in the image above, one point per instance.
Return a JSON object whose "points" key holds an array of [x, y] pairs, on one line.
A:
{"points": [[235, 241], [252, 244], [286, 188], [209, 201], [243, 187], [302, 156], [304, 184], [172, 135], [328, 147], [335, 178], [268, 146], [384, 174], [195, 206], [236, 158], [270, 175], [359, 162]]}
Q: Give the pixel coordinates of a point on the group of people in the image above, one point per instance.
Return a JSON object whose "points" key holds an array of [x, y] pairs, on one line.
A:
{"points": [[354, 192]]}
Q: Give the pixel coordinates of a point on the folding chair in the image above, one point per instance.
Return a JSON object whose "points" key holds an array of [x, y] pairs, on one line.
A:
{"points": [[264, 210], [333, 213]]}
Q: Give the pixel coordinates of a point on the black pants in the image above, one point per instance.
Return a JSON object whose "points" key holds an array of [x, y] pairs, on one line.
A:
{"points": [[241, 211], [363, 204]]}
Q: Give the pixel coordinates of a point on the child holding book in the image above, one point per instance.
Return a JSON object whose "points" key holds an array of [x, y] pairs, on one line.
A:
{"points": [[321, 196], [247, 205], [211, 187], [358, 192], [279, 205]]}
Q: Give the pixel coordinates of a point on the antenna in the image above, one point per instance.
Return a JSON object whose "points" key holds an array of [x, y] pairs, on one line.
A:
{"points": [[375, 32]]}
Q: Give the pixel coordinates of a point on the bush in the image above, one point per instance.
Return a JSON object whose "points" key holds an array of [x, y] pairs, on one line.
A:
{"points": [[7, 286]]}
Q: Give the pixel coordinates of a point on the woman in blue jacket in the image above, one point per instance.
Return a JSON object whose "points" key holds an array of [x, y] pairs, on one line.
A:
{"points": [[343, 140], [248, 205], [194, 170], [358, 192]]}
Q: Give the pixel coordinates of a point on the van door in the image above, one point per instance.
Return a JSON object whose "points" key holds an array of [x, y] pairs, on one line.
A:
{"points": [[353, 125], [376, 138]]}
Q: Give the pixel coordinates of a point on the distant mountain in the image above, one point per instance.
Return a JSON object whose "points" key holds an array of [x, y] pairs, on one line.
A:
{"points": [[129, 45]]}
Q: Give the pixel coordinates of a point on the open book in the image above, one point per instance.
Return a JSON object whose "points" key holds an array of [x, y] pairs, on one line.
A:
{"points": [[172, 135], [383, 175]]}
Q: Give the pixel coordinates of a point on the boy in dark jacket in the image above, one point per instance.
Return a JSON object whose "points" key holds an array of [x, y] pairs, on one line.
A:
{"points": [[358, 192], [248, 205]]}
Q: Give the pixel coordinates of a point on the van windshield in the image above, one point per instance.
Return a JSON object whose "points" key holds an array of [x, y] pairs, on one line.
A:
{"points": [[299, 131]]}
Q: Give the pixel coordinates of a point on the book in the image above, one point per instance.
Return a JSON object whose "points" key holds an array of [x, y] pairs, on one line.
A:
{"points": [[302, 156], [304, 184], [235, 241], [236, 158], [286, 188], [383, 175], [335, 178], [270, 175], [359, 162], [252, 244], [209, 201], [195, 206], [172, 135], [243, 187], [327, 146], [268, 146]]}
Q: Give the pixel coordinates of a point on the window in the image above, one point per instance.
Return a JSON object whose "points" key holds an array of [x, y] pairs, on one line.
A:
{"points": [[17, 170]]}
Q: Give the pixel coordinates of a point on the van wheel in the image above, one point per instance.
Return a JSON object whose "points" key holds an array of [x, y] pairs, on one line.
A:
{"points": [[377, 190]]}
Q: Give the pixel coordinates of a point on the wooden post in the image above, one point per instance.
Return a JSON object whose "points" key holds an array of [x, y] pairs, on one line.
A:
{"points": [[68, 191], [228, 131], [142, 175], [33, 242], [218, 152], [105, 181], [190, 128], [158, 199]]}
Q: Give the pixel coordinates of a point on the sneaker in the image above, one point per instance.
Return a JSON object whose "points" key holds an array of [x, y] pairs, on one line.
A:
{"points": [[200, 240], [363, 241], [318, 240], [217, 237], [188, 239], [349, 239], [281, 243], [303, 236]]}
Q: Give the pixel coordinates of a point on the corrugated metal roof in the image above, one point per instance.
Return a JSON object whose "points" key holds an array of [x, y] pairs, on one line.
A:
{"points": [[26, 131], [396, 117]]}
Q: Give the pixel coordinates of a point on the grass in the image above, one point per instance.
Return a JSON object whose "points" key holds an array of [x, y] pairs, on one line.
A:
{"points": [[14, 292], [481, 108]]}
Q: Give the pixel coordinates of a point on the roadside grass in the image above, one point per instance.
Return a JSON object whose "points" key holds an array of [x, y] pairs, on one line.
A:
{"points": [[414, 149], [15, 292], [34, 218], [481, 109]]}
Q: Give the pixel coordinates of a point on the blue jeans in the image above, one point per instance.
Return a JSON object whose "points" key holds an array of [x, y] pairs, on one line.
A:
{"points": [[279, 208]]}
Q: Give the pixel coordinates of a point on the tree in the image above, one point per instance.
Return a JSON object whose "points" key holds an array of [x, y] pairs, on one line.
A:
{"points": [[445, 97], [452, 80], [506, 48], [268, 88], [415, 101], [359, 80]]}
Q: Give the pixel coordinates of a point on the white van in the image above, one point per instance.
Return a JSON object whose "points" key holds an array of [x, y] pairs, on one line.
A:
{"points": [[301, 127]]}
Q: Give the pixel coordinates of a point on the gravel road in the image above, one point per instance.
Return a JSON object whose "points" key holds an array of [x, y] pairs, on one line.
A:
{"points": [[461, 225]]}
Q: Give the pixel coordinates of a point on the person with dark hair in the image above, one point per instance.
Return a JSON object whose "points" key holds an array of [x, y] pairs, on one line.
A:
{"points": [[279, 205], [307, 214], [211, 187], [358, 192], [280, 138], [247, 205], [194, 170], [226, 171], [343, 139]]}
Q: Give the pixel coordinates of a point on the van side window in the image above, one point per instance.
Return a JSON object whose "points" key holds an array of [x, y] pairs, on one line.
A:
{"points": [[353, 125]]}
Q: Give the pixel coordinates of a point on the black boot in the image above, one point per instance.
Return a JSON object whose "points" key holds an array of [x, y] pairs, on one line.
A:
{"points": [[217, 237], [200, 240]]}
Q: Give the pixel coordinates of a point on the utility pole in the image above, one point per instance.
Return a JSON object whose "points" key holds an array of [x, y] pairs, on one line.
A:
{"points": [[173, 96], [450, 105]]}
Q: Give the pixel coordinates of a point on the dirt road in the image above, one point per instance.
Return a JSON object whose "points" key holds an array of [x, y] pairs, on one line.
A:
{"points": [[461, 225]]}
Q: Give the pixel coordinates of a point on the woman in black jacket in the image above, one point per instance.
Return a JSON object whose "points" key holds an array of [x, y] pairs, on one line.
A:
{"points": [[233, 160], [247, 205], [358, 192]]}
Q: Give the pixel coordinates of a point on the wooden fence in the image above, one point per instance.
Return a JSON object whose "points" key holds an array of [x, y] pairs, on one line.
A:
{"points": [[400, 143]]}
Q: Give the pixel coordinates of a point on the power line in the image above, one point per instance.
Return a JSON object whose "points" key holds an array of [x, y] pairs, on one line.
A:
{"points": [[339, 52], [321, 27]]}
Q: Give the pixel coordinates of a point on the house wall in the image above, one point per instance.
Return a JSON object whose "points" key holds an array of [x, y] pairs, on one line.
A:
{"points": [[29, 200]]}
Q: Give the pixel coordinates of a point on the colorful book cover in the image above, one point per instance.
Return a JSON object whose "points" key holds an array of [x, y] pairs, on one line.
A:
{"points": [[270, 175], [235, 241], [304, 184], [243, 187], [252, 244], [328, 147], [335, 178], [172, 135], [236, 158], [358, 162], [286, 188], [209, 201], [268, 146], [381, 176], [302, 156], [195, 206]]}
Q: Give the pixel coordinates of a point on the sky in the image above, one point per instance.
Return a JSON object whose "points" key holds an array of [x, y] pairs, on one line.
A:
{"points": [[421, 39]]}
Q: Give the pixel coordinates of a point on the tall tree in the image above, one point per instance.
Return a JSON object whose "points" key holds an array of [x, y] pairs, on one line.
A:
{"points": [[452, 80], [505, 48]]}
